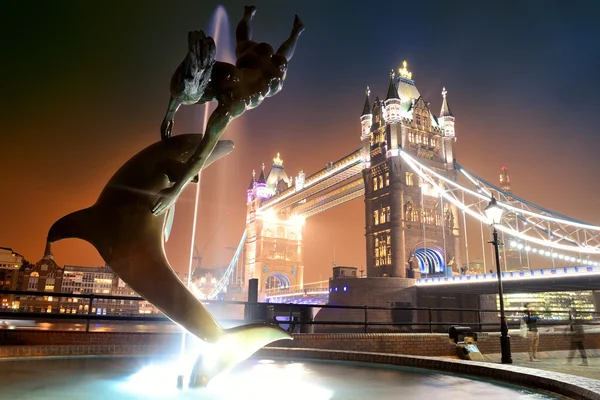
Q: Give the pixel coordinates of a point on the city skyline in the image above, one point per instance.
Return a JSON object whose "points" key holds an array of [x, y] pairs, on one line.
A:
{"points": [[508, 102]]}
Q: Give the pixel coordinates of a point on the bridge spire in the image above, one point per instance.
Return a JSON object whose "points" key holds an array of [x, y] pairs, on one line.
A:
{"points": [[367, 106], [446, 118], [392, 92], [445, 111], [252, 180]]}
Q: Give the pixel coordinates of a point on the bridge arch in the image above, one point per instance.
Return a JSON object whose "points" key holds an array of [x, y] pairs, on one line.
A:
{"points": [[277, 281], [431, 260]]}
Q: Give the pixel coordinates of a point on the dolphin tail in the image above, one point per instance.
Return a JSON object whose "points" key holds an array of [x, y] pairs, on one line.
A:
{"points": [[77, 225], [237, 345]]}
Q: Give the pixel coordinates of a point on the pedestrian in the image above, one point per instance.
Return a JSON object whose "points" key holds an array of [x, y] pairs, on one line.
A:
{"points": [[532, 332], [577, 334]]}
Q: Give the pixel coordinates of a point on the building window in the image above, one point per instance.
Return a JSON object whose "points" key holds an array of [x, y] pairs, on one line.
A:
{"points": [[387, 179], [33, 283], [375, 183], [380, 181], [376, 215], [281, 232], [411, 137], [418, 119], [416, 216], [383, 249], [409, 179], [425, 140]]}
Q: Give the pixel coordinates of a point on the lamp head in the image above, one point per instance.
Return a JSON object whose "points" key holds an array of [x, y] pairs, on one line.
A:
{"points": [[493, 212]]}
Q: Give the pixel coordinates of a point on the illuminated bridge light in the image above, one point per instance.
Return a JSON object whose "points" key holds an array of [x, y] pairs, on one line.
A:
{"points": [[553, 273]]}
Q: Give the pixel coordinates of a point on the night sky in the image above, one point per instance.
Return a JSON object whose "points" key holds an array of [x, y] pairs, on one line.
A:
{"points": [[85, 86]]}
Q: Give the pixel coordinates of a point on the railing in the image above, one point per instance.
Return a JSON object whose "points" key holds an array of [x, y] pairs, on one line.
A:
{"points": [[553, 273], [304, 318]]}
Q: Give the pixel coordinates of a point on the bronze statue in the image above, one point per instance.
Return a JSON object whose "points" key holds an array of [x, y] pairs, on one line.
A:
{"points": [[130, 239], [258, 73], [128, 226]]}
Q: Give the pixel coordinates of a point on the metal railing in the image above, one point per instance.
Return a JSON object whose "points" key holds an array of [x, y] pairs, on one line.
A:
{"points": [[298, 317]]}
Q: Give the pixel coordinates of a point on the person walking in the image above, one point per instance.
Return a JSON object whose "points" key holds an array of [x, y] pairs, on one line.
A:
{"points": [[532, 332], [577, 333]]}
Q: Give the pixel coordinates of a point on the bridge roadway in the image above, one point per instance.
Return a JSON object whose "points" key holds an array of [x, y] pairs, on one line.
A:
{"points": [[530, 281]]}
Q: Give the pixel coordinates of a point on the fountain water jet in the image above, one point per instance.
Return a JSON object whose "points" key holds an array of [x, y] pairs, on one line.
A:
{"points": [[219, 30]]}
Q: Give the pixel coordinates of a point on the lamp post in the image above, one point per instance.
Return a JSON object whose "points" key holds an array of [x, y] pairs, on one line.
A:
{"points": [[494, 214]]}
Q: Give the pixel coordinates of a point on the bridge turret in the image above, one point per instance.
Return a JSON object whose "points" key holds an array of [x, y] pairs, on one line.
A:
{"points": [[250, 193], [446, 118], [366, 121], [446, 121], [261, 185], [392, 105]]}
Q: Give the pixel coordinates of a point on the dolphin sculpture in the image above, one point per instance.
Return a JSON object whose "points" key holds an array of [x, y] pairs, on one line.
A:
{"points": [[130, 238]]}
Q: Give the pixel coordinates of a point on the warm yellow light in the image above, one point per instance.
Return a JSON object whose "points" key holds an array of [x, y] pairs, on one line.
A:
{"points": [[404, 72], [297, 220], [277, 160]]}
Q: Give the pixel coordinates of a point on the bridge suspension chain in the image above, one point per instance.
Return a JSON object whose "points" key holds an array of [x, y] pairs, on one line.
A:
{"points": [[229, 271], [522, 219]]}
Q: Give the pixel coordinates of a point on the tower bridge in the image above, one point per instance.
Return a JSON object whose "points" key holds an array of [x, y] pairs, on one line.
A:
{"points": [[421, 206]]}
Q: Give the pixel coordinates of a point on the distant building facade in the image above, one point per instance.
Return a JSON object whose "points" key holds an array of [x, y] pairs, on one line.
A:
{"points": [[10, 264], [45, 276], [58, 282]]}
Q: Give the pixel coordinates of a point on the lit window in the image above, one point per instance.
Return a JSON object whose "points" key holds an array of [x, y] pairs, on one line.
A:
{"points": [[375, 183], [409, 179], [376, 215], [380, 181], [387, 179], [381, 217]]}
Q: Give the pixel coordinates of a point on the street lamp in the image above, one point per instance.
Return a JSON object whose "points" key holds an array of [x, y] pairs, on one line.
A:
{"points": [[494, 214]]}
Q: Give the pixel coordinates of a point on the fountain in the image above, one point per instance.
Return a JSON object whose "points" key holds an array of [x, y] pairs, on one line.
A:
{"points": [[131, 219]]}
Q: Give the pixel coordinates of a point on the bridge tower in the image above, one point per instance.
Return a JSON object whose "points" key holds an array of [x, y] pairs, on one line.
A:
{"points": [[410, 230], [273, 251]]}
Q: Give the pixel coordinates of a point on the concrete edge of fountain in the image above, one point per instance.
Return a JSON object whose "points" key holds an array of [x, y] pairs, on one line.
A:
{"points": [[571, 386]]}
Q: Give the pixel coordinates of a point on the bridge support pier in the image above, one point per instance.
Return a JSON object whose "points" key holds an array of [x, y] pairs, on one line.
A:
{"points": [[399, 259]]}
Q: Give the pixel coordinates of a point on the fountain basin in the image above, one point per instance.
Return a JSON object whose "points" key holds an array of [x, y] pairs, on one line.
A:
{"points": [[135, 377]]}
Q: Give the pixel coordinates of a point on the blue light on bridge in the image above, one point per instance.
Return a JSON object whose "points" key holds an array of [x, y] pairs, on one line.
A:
{"points": [[345, 288], [515, 275]]}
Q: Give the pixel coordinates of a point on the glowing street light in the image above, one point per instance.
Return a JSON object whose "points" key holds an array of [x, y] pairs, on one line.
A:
{"points": [[494, 215]]}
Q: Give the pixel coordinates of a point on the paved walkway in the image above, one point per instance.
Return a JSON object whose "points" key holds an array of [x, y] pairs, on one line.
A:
{"points": [[556, 361]]}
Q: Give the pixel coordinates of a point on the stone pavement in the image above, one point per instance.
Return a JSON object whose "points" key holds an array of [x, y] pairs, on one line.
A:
{"points": [[556, 361]]}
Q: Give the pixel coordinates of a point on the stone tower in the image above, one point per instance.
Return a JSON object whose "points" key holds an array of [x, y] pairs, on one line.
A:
{"points": [[410, 230], [273, 251]]}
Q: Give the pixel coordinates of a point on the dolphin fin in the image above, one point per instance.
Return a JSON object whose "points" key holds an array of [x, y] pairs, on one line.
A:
{"points": [[169, 222], [77, 225], [237, 345]]}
